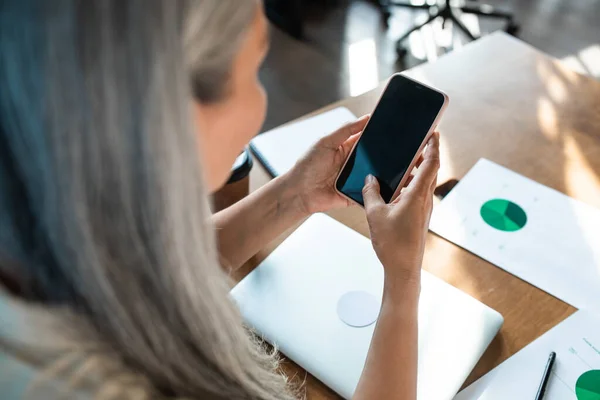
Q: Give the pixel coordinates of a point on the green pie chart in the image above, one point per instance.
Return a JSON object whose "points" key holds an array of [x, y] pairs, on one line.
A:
{"points": [[503, 215], [588, 386]]}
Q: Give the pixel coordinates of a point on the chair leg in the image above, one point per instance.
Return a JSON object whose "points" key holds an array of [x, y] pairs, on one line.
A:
{"points": [[386, 13], [459, 24], [417, 27]]}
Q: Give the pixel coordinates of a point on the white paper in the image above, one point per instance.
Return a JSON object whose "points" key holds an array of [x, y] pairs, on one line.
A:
{"points": [[576, 342], [558, 249], [280, 148]]}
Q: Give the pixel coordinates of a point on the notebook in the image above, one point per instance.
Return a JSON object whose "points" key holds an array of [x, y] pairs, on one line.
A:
{"points": [[292, 298], [279, 149]]}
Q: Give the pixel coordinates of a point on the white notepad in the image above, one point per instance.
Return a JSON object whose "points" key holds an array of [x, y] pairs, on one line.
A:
{"points": [[576, 372], [280, 148], [291, 299], [546, 238]]}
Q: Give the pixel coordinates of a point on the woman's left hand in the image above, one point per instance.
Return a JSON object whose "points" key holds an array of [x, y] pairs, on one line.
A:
{"points": [[314, 175]]}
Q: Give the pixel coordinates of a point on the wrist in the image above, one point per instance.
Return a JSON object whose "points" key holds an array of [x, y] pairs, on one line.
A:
{"points": [[402, 289], [292, 196]]}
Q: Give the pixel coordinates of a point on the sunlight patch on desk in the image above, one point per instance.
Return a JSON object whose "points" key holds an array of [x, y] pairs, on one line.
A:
{"points": [[586, 61], [362, 67], [567, 71], [590, 57], [556, 88], [581, 181], [575, 64], [452, 269], [546, 115]]}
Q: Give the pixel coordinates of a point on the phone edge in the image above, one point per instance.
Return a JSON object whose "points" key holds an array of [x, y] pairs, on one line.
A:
{"points": [[413, 163]]}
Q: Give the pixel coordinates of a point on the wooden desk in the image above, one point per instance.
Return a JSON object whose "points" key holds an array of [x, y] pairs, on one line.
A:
{"points": [[518, 107]]}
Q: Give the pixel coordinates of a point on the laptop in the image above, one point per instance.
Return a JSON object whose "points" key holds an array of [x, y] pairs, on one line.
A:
{"points": [[293, 300]]}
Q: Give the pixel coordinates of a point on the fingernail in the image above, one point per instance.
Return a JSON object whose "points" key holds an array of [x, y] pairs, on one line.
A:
{"points": [[369, 179]]}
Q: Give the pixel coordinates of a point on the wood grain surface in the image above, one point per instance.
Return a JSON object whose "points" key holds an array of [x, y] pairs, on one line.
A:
{"points": [[517, 107]]}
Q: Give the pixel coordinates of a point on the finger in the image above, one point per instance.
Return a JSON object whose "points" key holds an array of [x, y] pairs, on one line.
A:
{"points": [[348, 144], [419, 161], [409, 180], [433, 184], [338, 137], [371, 195], [427, 173]]}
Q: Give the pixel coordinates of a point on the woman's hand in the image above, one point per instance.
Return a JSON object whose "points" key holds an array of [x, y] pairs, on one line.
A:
{"points": [[315, 173], [399, 229], [398, 232]]}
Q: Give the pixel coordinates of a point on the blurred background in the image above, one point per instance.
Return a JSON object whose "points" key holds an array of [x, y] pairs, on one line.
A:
{"points": [[326, 50]]}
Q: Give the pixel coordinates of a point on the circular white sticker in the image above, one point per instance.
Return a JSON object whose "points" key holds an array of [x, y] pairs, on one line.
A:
{"points": [[358, 309]]}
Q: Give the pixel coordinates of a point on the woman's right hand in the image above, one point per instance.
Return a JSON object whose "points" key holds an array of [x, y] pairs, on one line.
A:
{"points": [[399, 229]]}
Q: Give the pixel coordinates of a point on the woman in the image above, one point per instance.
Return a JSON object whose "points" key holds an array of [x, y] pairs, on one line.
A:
{"points": [[112, 282]]}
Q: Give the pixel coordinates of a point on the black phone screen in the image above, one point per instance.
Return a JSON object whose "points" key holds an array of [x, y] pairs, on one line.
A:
{"points": [[392, 138]]}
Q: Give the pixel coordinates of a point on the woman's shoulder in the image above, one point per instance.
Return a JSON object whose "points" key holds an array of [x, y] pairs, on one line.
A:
{"points": [[27, 344], [39, 361], [21, 380]]}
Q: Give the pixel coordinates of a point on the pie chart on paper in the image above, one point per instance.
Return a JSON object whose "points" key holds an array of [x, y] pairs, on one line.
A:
{"points": [[503, 215], [588, 386]]}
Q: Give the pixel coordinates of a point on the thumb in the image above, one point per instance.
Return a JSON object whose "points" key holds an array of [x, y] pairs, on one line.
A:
{"points": [[371, 195], [337, 138]]}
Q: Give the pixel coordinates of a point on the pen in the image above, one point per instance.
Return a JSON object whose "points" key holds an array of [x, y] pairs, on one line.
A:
{"points": [[544, 383]]}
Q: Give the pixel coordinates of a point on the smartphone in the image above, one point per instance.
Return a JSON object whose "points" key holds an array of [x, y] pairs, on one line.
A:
{"points": [[400, 126]]}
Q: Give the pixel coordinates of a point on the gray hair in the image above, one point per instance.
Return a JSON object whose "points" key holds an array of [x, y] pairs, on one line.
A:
{"points": [[102, 203]]}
